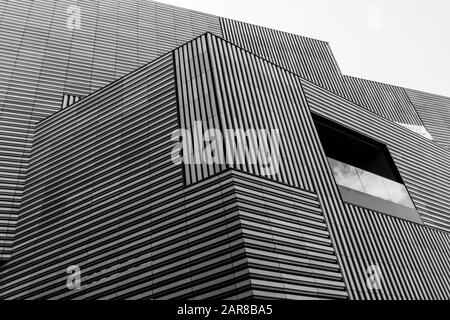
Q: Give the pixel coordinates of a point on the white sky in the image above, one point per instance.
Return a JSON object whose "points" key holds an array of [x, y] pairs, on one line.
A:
{"points": [[405, 43]]}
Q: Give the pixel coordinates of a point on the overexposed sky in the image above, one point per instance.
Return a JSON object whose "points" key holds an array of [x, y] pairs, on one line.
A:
{"points": [[400, 42]]}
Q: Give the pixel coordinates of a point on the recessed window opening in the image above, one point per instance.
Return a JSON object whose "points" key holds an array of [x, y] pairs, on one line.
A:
{"points": [[364, 170], [355, 149]]}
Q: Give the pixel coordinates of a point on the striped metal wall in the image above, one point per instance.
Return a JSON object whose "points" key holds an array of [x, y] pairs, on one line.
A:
{"points": [[425, 176], [414, 260], [387, 100], [309, 58], [422, 271], [196, 101], [42, 58], [104, 194], [288, 248], [424, 166], [435, 113], [79, 206], [218, 87], [313, 60]]}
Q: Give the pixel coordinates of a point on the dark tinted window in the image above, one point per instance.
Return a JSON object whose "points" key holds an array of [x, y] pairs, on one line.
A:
{"points": [[348, 146]]}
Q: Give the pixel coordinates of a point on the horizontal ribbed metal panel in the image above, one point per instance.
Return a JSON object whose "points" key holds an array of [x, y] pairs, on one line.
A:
{"points": [[78, 206], [104, 194], [435, 113], [42, 58], [287, 244]]}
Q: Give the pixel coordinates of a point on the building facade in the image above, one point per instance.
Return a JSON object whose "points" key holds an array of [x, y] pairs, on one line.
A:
{"points": [[91, 95]]}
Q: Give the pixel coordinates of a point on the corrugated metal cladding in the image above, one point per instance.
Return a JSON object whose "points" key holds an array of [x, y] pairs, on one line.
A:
{"points": [[424, 166], [278, 94], [104, 194], [42, 58], [387, 100], [288, 248], [217, 85], [435, 113], [414, 259], [102, 191], [98, 175], [309, 58], [313, 60]]}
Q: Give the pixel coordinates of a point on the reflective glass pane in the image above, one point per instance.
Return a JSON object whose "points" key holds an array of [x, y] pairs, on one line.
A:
{"points": [[367, 182], [373, 184], [398, 193], [346, 175]]}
